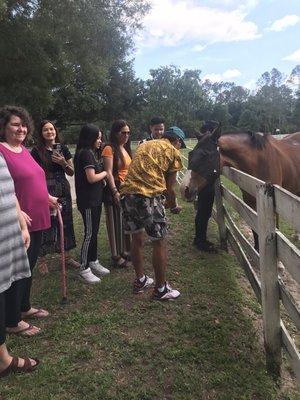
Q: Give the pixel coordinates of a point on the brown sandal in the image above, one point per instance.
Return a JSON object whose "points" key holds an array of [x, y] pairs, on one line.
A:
{"points": [[14, 368], [119, 262], [126, 256], [23, 332], [70, 262], [38, 314]]}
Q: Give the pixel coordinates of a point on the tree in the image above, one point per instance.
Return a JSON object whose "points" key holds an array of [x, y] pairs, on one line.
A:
{"points": [[294, 78], [273, 101], [124, 94], [220, 113], [76, 46], [296, 113], [249, 121], [176, 95]]}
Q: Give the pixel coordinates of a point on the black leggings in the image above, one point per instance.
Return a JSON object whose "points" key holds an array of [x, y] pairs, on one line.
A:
{"points": [[204, 209], [32, 253], [2, 318], [17, 297], [12, 303], [10, 314], [91, 219]]}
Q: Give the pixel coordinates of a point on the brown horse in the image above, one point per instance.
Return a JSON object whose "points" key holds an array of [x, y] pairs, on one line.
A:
{"points": [[260, 155]]}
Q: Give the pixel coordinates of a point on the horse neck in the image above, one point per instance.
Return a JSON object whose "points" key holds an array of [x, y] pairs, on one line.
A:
{"points": [[239, 159], [262, 163], [288, 156]]}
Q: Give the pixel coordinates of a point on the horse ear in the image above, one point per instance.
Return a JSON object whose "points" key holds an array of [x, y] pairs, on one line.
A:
{"points": [[216, 133]]}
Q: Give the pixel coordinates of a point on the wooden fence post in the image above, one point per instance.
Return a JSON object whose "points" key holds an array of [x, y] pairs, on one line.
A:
{"points": [[269, 277], [220, 215]]}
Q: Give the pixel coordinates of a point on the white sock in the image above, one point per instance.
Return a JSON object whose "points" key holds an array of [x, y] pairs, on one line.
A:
{"points": [[142, 278], [161, 289]]}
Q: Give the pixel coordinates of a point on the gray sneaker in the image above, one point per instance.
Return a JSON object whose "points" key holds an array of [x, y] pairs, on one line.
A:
{"points": [[98, 268], [88, 276]]}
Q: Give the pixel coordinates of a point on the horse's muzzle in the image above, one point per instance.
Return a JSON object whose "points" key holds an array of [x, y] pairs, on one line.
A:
{"points": [[189, 194]]}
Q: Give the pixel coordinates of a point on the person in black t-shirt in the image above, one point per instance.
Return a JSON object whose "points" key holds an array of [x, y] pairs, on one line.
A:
{"points": [[157, 129], [89, 177], [205, 203]]}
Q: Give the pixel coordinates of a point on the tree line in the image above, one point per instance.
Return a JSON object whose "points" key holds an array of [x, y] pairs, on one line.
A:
{"points": [[69, 61]]}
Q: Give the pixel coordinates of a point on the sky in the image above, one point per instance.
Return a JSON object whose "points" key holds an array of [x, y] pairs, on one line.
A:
{"points": [[228, 40]]}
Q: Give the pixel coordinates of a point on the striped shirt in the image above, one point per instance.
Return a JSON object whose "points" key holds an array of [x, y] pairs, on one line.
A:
{"points": [[13, 257]]}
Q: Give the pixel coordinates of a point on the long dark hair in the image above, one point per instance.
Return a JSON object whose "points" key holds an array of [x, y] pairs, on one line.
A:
{"points": [[41, 142], [114, 141], [87, 137]]}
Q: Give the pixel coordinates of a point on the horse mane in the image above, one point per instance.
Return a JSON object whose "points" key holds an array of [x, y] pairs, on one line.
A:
{"points": [[258, 140]]}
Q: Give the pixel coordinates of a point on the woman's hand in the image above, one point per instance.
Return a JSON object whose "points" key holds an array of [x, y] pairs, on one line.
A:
{"points": [[53, 202], [59, 159], [117, 198], [26, 237], [92, 177], [104, 175], [26, 218]]}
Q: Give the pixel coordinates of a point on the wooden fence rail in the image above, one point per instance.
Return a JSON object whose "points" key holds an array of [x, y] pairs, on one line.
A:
{"points": [[273, 247]]}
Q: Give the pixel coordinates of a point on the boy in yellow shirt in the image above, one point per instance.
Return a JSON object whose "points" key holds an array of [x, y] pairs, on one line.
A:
{"points": [[152, 172]]}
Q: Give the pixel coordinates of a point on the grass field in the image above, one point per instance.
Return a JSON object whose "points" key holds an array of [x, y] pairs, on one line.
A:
{"points": [[108, 344]]}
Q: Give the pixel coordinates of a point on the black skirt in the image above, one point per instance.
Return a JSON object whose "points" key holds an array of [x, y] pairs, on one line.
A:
{"points": [[59, 186]]}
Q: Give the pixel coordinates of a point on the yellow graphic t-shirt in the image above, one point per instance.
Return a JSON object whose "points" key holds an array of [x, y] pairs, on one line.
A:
{"points": [[149, 166]]}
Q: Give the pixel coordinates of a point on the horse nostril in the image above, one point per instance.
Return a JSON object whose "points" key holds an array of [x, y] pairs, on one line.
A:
{"points": [[188, 195], [186, 192]]}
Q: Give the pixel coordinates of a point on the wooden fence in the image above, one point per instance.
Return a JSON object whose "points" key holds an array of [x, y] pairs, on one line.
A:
{"points": [[274, 246], [270, 290]]}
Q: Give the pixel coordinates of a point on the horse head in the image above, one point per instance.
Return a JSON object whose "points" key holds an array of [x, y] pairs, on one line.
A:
{"points": [[203, 164]]}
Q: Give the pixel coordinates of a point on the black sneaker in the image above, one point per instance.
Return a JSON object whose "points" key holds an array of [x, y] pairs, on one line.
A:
{"points": [[206, 246], [167, 294], [139, 287]]}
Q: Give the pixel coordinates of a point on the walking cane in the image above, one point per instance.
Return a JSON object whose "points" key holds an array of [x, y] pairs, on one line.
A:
{"points": [[63, 257], [110, 225]]}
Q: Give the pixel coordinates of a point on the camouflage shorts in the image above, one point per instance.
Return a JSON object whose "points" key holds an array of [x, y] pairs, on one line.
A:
{"points": [[140, 212]]}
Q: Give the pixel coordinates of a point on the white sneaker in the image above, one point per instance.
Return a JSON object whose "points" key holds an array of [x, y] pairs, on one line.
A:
{"points": [[167, 294], [88, 276], [139, 287], [97, 267]]}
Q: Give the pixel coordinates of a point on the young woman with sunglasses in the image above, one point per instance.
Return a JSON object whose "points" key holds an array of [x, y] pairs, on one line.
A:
{"points": [[117, 158]]}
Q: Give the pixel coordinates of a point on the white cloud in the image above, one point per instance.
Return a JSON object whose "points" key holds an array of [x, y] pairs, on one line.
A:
{"points": [[198, 48], [231, 4], [251, 85], [285, 22], [295, 57], [225, 76], [178, 22], [231, 73]]}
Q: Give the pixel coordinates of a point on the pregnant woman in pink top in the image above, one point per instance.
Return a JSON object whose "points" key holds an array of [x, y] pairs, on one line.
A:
{"points": [[31, 191]]}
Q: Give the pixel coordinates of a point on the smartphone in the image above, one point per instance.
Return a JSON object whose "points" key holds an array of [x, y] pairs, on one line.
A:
{"points": [[56, 148]]}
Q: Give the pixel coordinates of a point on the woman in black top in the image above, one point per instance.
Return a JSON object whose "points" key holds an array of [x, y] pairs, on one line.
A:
{"points": [[56, 160], [89, 177]]}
